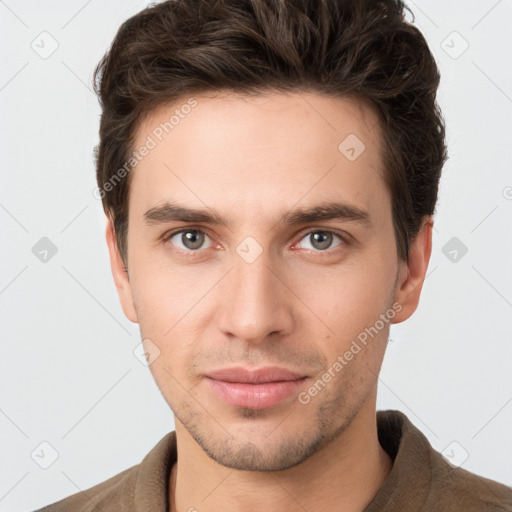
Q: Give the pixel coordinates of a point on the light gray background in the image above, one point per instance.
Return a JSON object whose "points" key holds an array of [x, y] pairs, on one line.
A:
{"points": [[68, 373]]}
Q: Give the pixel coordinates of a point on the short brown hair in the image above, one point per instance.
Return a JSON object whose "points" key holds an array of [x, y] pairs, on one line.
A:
{"points": [[342, 48]]}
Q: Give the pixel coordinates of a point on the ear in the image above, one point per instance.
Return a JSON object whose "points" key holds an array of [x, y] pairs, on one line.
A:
{"points": [[411, 275], [120, 274]]}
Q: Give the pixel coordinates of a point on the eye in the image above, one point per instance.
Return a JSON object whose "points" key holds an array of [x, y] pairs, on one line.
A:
{"points": [[321, 240], [190, 239]]}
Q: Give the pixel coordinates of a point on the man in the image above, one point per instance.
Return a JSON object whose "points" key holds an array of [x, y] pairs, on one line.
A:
{"points": [[269, 171]]}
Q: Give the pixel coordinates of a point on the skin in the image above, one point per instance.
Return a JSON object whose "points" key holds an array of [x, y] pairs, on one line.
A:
{"points": [[249, 159]]}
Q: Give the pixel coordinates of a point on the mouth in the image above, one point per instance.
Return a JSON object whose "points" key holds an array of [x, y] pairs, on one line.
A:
{"points": [[254, 389]]}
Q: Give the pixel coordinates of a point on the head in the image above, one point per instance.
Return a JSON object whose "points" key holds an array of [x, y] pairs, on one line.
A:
{"points": [[306, 138]]}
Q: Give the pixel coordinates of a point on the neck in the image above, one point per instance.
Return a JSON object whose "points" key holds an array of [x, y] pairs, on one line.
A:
{"points": [[355, 461]]}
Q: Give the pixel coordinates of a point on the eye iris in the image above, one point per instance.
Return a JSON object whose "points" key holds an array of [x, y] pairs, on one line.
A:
{"points": [[321, 239], [192, 239]]}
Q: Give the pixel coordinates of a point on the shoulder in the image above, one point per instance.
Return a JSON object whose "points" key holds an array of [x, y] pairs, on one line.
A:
{"points": [[422, 476], [106, 496], [140, 487], [468, 491]]}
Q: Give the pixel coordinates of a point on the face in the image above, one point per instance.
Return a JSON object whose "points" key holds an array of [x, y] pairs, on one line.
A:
{"points": [[260, 235]]}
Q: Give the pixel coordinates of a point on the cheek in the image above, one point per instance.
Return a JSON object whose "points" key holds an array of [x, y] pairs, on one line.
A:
{"points": [[165, 294], [169, 369], [348, 299], [350, 302], [166, 308]]}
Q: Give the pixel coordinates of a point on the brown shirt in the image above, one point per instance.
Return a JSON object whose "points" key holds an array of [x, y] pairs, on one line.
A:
{"points": [[420, 480]]}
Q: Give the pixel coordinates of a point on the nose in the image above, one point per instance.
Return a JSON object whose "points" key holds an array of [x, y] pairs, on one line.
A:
{"points": [[255, 301]]}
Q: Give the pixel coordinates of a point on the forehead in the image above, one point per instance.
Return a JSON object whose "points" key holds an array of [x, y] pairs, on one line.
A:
{"points": [[256, 152], [307, 117]]}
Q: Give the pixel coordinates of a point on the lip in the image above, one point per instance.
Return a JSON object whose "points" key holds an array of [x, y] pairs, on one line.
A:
{"points": [[255, 389], [255, 376]]}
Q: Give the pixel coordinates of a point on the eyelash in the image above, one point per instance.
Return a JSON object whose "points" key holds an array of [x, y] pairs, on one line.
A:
{"points": [[193, 253]]}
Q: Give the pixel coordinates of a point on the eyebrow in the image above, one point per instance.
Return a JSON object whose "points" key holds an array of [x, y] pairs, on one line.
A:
{"points": [[169, 212]]}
